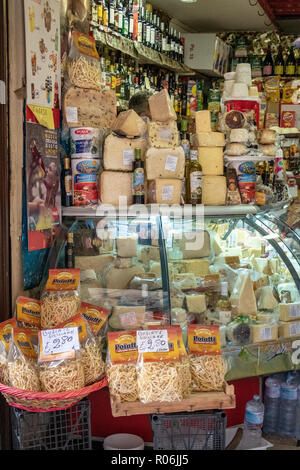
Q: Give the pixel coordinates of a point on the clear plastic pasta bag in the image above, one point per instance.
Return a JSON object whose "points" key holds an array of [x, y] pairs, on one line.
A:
{"points": [[22, 360], [208, 367], [60, 371], [61, 297], [28, 313], [91, 356], [5, 334], [121, 366], [97, 319]]}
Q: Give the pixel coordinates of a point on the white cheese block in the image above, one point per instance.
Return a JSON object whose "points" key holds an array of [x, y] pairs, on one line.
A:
{"points": [[126, 317], [265, 298], [254, 242], [266, 332], [163, 134], [186, 280], [127, 247], [243, 67], [196, 303], [228, 84], [244, 77], [289, 329], [288, 312], [240, 90], [217, 244], [194, 244], [274, 266], [261, 265], [210, 139], [177, 301], [241, 235], [239, 135], [229, 76], [242, 298], [119, 152], [164, 191], [203, 121], [120, 278], [198, 267], [115, 185], [234, 251], [165, 163], [214, 190], [129, 124], [211, 160], [97, 263], [161, 108], [122, 263]]}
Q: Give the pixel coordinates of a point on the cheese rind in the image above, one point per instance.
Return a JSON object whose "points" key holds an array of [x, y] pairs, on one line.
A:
{"points": [[119, 152], [164, 191], [161, 108], [211, 160], [129, 124], [165, 163], [127, 247], [114, 185], [196, 303], [214, 190], [210, 139], [163, 134], [203, 121]]}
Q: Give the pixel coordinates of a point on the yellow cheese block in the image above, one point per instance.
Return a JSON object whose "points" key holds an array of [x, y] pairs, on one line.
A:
{"points": [[161, 108], [164, 191], [126, 247], [209, 139], [120, 278], [196, 303], [129, 124], [211, 160], [199, 267], [289, 329], [163, 134], [165, 163], [289, 312], [203, 121], [264, 332], [214, 190], [116, 188]]}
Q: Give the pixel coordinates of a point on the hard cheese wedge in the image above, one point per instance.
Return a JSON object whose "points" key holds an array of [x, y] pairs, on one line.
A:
{"points": [[211, 160], [89, 108], [203, 121], [214, 190], [196, 303], [129, 124], [163, 134], [126, 247], [243, 299], [161, 108], [165, 163], [119, 152], [194, 244], [209, 139], [120, 278], [164, 191], [115, 185]]}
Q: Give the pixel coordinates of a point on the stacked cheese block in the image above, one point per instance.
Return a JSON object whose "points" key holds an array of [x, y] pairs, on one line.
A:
{"points": [[119, 148], [210, 155], [267, 140], [165, 159]]}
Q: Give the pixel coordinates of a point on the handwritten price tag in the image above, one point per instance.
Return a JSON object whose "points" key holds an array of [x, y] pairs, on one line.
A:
{"points": [[60, 341], [152, 341]]}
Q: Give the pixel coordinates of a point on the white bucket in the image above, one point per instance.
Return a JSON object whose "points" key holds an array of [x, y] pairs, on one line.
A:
{"points": [[123, 442], [85, 142]]}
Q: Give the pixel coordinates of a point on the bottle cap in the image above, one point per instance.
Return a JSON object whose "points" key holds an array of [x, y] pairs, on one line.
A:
{"points": [[138, 154]]}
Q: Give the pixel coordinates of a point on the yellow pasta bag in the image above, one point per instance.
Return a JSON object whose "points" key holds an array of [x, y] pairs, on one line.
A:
{"points": [[61, 297], [121, 362], [59, 360], [96, 318], [22, 360], [91, 357], [208, 368], [28, 313], [5, 334], [158, 377]]}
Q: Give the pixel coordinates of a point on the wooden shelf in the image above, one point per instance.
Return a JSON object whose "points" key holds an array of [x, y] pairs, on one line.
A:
{"points": [[224, 400]]}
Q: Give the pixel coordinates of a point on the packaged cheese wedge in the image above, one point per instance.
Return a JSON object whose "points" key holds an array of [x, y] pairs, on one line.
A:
{"points": [[161, 108], [165, 163], [119, 152], [129, 124], [242, 298], [164, 191]]}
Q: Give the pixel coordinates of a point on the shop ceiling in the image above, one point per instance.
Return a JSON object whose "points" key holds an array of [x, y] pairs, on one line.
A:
{"points": [[234, 15]]}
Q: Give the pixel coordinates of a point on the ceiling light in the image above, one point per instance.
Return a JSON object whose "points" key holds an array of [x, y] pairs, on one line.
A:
{"points": [[188, 1]]}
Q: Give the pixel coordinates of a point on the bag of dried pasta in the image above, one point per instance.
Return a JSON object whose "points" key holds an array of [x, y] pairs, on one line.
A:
{"points": [[96, 318], [83, 62], [22, 360], [61, 297], [5, 334], [158, 377], [60, 364], [208, 368], [121, 362], [28, 313], [91, 356]]}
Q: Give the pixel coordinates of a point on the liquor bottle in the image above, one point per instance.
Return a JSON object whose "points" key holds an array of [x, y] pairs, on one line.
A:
{"points": [[103, 72], [118, 80], [125, 29], [67, 193], [164, 40], [130, 23], [290, 66], [100, 12], [181, 58], [194, 179], [223, 306], [111, 15], [268, 63], [140, 27], [70, 252], [113, 77], [94, 11], [105, 14], [279, 63], [171, 42], [158, 37], [120, 17], [138, 178]]}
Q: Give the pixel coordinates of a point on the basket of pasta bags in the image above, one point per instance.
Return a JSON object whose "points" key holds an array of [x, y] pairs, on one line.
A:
{"points": [[51, 350]]}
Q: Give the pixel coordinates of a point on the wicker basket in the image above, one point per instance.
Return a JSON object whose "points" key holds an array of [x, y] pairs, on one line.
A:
{"points": [[42, 401]]}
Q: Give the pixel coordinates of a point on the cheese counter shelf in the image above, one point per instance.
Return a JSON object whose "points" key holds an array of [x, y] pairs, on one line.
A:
{"points": [[234, 267]]}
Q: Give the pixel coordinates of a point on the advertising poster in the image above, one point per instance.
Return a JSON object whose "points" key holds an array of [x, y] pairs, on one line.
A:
{"points": [[43, 65], [42, 185]]}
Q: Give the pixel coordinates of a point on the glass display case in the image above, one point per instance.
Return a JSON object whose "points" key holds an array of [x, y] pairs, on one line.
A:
{"points": [[235, 267]]}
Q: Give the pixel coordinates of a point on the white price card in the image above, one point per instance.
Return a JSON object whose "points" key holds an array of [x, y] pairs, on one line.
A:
{"points": [[152, 341], [171, 163], [167, 193], [128, 157], [72, 114], [62, 340], [165, 134]]}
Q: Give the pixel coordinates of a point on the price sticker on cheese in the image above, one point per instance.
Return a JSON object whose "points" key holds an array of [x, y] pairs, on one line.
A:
{"points": [[171, 163], [62, 341], [149, 341], [72, 114], [165, 134], [128, 157]]}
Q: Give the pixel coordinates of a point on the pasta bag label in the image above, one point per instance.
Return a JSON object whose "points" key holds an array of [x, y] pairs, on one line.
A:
{"points": [[29, 311], [5, 331], [63, 279], [204, 340], [22, 338], [172, 355], [85, 44], [95, 316], [181, 346], [58, 344], [122, 346], [76, 322]]}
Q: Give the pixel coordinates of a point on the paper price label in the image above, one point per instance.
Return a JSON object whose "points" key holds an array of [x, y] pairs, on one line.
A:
{"points": [[294, 311], [128, 319], [265, 333], [149, 341], [60, 341], [72, 114], [128, 157], [167, 193], [165, 134], [171, 163]]}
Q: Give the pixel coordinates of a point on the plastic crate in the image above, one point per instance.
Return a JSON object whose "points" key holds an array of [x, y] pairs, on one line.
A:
{"points": [[68, 429], [189, 431]]}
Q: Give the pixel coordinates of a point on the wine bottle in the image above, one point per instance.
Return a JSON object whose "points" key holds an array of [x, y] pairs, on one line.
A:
{"points": [[268, 63], [279, 63], [290, 66]]}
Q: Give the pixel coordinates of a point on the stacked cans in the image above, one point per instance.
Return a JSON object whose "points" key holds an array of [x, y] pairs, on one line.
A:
{"points": [[86, 152]]}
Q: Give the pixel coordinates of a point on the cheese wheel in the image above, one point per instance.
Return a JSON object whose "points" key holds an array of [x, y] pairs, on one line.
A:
{"points": [[235, 149], [269, 150], [239, 135], [267, 136]]}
